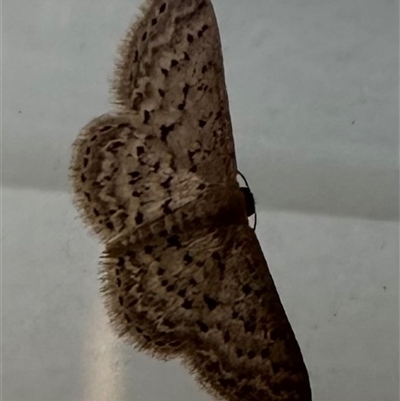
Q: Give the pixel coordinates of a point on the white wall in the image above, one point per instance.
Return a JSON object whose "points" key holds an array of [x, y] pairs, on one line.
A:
{"points": [[313, 88]]}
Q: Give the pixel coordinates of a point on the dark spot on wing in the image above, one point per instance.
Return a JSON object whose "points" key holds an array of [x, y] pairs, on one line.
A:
{"points": [[250, 327], [134, 174], [213, 367], [137, 101], [225, 383], [132, 303], [156, 166], [165, 130], [246, 289], [114, 146], [166, 183], [187, 259], [148, 249], [146, 117], [211, 303], [201, 5], [186, 89], [276, 334], [166, 208], [265, 353], [187, 304], [202, 326], [227, 337], [169, 324], [174, 241], [251, 354], [275, 367]]}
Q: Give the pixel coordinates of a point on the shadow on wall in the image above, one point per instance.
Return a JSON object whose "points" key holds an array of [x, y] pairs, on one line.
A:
{"points": [[291, 183]]}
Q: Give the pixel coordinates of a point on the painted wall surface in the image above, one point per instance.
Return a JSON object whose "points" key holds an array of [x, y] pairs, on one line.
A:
{"points": [[313, 88]]}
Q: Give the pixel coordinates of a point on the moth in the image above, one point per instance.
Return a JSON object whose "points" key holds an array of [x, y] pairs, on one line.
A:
{"points": [[156, 180]]}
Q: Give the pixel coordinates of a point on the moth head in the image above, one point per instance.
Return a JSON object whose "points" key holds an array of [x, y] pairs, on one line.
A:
{"points": [[249, 201]]}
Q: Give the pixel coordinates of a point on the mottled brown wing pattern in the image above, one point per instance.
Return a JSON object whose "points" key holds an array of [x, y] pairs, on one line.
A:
{"points": [[206, 294], [172, 132], [171, 73], [183, 274], [124, 180]]}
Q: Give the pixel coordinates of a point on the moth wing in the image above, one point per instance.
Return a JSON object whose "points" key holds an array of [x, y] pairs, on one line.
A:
{"points": [[171, 138], [249, 351], [171, 73], [124, 181], [209, 298]]}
